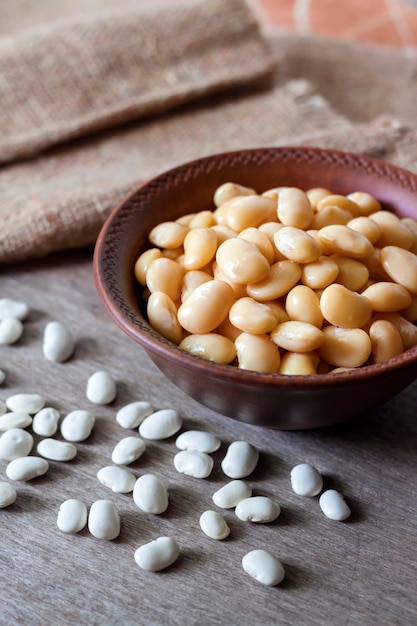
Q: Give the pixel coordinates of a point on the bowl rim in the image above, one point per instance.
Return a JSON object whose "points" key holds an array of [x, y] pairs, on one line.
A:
{"points": [[138, 329]]}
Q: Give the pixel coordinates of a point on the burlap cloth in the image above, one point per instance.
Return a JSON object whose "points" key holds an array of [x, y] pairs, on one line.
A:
{"points": [[92, 105]]}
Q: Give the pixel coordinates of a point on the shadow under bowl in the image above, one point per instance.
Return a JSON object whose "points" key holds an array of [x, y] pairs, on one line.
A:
{"points": [[269, 400]]}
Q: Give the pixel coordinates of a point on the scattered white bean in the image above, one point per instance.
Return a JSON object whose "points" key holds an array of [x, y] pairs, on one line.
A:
{"points": [[45, 422], [214, 525], [13, 308], [161, 424], [118, 479], [15, 443], [195, 464], [104, 520], [333, 505], [260, 509], [228, 496], [198, 441], [306, 480], [56, 450], [2, 378], [58, 342], [8, 494], [25, 403], [157, 554], [263, 567], [150, 494], [128, 450], [13, 419], [133, 414], [10, 331], [77, 425], [240, 460], [101, 388], [26, 468], [72, 516]]}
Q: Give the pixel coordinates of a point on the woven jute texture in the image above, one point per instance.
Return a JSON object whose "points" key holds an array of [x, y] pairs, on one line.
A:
{"points": [[321, 94]]}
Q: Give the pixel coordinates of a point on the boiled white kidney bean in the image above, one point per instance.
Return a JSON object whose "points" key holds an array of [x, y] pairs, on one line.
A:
{"points": [[150, 494], [10, 331], [15, 443], [77, 425], [58, 342], [104, 520], [193, 463], [240, 460], [13, 419], [306, 480], [8, 494], [118, 479], [25, 403], [263, 567], [257, 509], [26, 468], [72, 516], [229, 496], [45, 422], [56, 450], [333, 505], [133, 414], [198, 441], [214, 525], [157, 554], [13, 308], [101, 388], [161, 424], [128, 450]]}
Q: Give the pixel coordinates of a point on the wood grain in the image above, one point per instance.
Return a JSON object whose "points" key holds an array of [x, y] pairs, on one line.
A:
{"points": [[359, 572]]}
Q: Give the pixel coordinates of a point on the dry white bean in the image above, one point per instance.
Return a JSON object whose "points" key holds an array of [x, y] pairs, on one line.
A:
{"points": [[214, 525], [14, 419], [133, 414], [104, 520], [260, 509], [263, 567], [118, 479], [10, 331], [128, 450], [45, 422], [333, 505], [150, 494], [26, 468], [25, 403], [13, 308], [161, 424], [15, 443], [101, 388], [56, 450], [240, 460], [229, 496], [3, 407], [198, 441], [157, 554], [77, 425], [72, 516], [192, 463], [306, 480], [58, 342], [8, 494]]}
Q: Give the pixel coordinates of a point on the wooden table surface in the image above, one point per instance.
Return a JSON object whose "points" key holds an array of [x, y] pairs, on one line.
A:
{"points": [[359, 572]]}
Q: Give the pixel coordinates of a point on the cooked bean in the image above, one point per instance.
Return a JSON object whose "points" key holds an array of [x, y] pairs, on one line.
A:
{"points": [[162, 315], [303, 305], [340, 201], [227, 329], [240, 460], [385, 296], [198, 441], [330, 215], [366, 203], [261, 240], [375, 268], [193, 463], [227, 191], [296, 245], [26, 468], [258, 509], [211, 346], [8, 494], [306, 480], [157, 554], [143, 263], [352, 274], [228, 496], [320, 273], [294, 208], [128, 450], [386, 341], [206, 307], [401, 266], [297, 336], [202, 219], [345, 347], [410, 312], [264, 567], [249, 211], [406, 329], [72, 516], [223, 232], [104, 520], [165, 275], [241, 261], [168, 235], [339, 239], [298, 364], [150, 494], [192, 280], [11, 330], [366, 226], [253, 317], [283, 275], [315, 194], [214, 525], [393, 230], [238, 290], [15, 443], [333, 505], [257, 353], [200, 246], [345, 308]]}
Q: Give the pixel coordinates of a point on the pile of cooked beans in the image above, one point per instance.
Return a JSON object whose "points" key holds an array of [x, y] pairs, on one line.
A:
{"points": [[286, 281]]}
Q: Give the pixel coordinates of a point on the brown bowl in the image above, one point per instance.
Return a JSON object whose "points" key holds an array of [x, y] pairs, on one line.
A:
{"points": [[271, 400]]}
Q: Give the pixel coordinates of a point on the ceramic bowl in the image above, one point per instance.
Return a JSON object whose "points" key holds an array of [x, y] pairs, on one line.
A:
{"points": [[268, 400]]}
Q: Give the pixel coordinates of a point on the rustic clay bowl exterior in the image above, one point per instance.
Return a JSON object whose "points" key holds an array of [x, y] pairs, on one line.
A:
{"points": [[270, 400]]}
